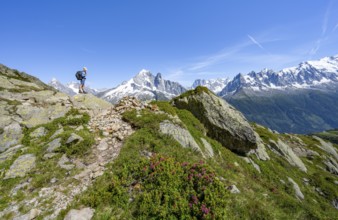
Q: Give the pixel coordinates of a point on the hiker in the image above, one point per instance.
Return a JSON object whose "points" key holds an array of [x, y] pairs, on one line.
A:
{"points": [[81, 76]]}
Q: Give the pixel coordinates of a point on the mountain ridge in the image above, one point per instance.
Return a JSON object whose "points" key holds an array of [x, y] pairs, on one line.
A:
{"points": [[317, 74]]}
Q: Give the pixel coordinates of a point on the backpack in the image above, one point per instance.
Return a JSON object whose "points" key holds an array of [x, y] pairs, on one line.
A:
{"points": [[78, 75]]}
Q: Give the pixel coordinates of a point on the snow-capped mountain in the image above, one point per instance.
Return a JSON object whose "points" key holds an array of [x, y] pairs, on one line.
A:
{"points": [[71, 88], [144, 86], [318, 74], [215, 85], [62, 88]]}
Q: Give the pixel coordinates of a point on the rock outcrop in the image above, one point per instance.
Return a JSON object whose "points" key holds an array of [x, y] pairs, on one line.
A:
{"points": [[285, 150], [223, 122], [298, 192], [181, 135]]}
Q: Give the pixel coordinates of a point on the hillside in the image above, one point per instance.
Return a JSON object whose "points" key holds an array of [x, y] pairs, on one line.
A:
{"points": [[330, 135], [195, 157], [301, 112]]}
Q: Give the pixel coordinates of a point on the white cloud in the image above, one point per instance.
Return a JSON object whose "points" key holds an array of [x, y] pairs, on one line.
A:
{"points": [[255, 42]]}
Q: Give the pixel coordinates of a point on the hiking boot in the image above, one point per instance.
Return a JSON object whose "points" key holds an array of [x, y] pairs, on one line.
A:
{"points": [[84, 92], [80, 91]]}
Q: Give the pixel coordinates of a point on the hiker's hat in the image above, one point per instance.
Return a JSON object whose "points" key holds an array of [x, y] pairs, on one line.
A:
{"points": [[85, 68]]}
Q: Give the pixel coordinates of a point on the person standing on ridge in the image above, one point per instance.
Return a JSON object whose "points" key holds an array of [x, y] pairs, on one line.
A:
{"points": [[81, 75]]}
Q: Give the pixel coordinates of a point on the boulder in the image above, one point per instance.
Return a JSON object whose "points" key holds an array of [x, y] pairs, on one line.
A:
{"points": [[58, 132], [39, 132], [74, 138], [21, 166], [53, 145], [36, 115], [223, 122], [82, 214], [32, 214], [260, 152], [208, 147], [10, 136], [5, 83], [233, 189], [91, 102], [9, 152], [285, 151], [181, 135]]}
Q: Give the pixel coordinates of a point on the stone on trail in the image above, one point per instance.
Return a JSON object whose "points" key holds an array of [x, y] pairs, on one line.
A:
{"points": [[74, 138]]}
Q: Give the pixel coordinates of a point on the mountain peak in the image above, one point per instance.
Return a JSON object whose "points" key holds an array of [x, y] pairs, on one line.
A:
{"points": [[54, 80], [159, 75], [144, 72]]}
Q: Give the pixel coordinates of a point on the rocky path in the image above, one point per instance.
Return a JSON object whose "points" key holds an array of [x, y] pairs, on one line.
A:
{"points": [[113, 132]]}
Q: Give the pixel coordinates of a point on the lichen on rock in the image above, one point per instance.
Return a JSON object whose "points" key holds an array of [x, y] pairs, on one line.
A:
{"points": [[21, 166]]}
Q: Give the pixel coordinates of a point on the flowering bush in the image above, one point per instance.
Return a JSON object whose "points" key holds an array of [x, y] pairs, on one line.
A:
{"points": [[166, 189]]}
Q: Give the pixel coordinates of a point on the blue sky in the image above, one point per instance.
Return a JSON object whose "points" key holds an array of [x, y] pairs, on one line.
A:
{"points": [[182, 39]]}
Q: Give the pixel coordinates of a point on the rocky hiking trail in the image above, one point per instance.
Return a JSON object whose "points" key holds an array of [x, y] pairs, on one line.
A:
{"points": [[113, 131]]}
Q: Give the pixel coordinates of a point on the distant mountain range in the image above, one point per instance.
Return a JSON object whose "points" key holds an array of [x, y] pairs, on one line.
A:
{"points": [[214, 85], [299, 99], [319, 74]]}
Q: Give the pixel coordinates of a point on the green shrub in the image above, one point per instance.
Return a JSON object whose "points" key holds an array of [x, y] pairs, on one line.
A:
{"points": [[165, 106], [147, 119]]}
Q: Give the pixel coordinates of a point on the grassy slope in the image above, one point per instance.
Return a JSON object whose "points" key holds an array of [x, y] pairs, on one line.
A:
{"points": [[126, 190], [330, 135]]}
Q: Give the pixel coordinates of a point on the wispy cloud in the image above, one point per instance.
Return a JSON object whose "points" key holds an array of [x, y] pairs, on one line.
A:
{"points": [[326, 20], [321, 39], [316, 47], [256, 42], [335, 27], [218, 57], [234, 59]]}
